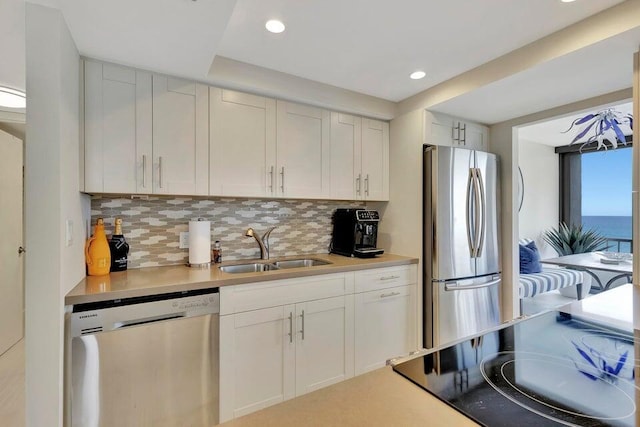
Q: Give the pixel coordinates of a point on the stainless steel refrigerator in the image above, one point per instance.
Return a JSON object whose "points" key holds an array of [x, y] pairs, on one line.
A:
{"points": [[461, 257]]}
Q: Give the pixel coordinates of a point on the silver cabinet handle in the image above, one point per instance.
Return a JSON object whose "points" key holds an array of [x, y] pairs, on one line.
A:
{"points": [[144, 171], [463, 129], [160, 171], [389, 277], [366, 185], [290, 327], [271, 179], [358, 179], [302, 330], [21, 250], [282, 182], [390, 294], [456, 136]]}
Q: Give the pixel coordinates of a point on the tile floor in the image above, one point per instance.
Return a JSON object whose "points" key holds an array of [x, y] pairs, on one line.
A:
{"points": [[12, 386]]}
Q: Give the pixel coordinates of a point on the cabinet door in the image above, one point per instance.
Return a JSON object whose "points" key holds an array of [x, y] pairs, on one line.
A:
{"points": [[303, 151], [476, 137], [442, 130], [242, 144], [375, 159], [346, 176], [257, 359], [118, 138], [324, 343], [180, 137], [385, 325]]}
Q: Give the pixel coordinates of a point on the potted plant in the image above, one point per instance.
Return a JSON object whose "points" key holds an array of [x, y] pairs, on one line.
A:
{"points": [[573, 239]]}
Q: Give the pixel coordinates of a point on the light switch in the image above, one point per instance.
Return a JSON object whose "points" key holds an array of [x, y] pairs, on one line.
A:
{"points": [[68, 233]]}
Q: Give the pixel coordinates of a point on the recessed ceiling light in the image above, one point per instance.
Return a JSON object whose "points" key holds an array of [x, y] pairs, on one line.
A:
{"points": [[274, 26], [417, 75], [12, 98], [567, 1]]}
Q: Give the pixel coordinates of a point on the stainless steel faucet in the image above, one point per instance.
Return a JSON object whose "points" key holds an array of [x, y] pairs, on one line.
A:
{"points": [[263, 241]]}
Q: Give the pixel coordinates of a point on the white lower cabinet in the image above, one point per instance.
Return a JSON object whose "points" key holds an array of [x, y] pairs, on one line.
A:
{"points": [[257, 360], [385, 326], [283, 338], [324, 343]]}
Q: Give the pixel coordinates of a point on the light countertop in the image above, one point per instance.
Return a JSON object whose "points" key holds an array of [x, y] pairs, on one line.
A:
{"points": [[378, 398], [178, 278]]}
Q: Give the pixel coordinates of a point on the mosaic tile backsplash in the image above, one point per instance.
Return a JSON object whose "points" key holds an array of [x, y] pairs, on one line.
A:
{"points": [[152, 226]]}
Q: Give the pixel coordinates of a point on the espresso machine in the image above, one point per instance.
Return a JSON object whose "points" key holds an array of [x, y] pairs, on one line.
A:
{"points": [[355, 233]]}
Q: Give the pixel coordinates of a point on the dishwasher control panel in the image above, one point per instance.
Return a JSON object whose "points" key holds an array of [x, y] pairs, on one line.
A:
{"points": [[92, 318]]}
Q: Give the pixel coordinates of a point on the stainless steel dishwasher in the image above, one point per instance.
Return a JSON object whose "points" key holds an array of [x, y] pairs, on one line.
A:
{"points": [[146, 361]]}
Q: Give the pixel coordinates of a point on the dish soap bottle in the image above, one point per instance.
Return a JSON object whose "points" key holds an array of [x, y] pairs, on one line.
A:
{"points": [[96, 251], [119, 248]]}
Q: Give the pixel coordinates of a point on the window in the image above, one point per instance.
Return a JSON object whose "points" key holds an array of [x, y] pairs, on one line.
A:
{"points": [[595, 189]]}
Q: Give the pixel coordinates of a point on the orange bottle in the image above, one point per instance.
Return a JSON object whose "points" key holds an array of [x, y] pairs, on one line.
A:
{"points": [[96, 251]]}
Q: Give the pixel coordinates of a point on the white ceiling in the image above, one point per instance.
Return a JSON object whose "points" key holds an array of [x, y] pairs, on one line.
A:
{"points": [[177, 37], [368, 46], [601, 68], [551, 132], [372, 46]]}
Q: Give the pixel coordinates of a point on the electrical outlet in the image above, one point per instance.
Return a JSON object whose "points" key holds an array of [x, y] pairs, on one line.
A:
{"points": [[184, 240]]}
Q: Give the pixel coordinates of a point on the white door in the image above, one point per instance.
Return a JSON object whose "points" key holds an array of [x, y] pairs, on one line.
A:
{"points": [[118, 140], [257, 360], [324, 348], [303, 151], [346, 178], [384, 326], [375, 159], [242, 144], [180, 137], [11, 262]]}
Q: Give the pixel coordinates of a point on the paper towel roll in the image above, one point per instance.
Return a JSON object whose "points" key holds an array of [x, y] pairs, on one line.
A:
{"points": [[199, 242]]}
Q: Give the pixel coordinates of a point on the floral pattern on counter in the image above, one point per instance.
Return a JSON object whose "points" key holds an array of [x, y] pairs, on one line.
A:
{"points": [[152, 226]]}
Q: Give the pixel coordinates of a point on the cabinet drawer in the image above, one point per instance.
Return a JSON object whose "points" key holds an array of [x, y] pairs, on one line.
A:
{"points": [[253, 296], [381, 278]]}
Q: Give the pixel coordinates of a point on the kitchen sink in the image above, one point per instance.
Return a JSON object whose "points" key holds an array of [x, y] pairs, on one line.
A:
{"points": [[253, 267], [256, 267], [297, 263]]}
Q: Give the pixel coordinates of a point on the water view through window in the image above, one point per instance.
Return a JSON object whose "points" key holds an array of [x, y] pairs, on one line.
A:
{"points": [[606, 195]]}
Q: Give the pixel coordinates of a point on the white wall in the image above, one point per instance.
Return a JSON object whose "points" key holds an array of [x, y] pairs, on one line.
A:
{"points": [[51, 197], [540, 209], [12, 48]]}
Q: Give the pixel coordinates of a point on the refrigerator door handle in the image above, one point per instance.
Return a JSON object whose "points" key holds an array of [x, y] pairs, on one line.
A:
{"points": [[472, 250], [454, 286], [483, 212]]}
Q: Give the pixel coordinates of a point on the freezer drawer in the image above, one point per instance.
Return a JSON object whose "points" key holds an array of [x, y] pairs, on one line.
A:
{"points": [[465, 307]]}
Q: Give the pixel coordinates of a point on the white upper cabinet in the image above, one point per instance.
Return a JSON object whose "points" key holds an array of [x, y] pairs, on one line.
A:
{"points": [[346, 176], [118, 135], [454, 132], [180, 137], [242, 144], [302, 142], [375, 160], [154, 134], [359, 158]]}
